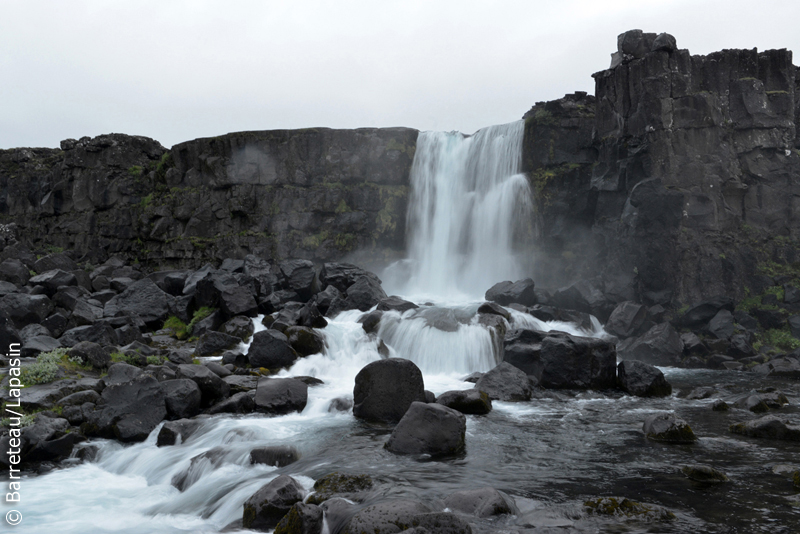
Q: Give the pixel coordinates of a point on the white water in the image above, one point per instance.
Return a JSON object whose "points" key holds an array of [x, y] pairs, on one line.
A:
{"points": [[467, 198]]}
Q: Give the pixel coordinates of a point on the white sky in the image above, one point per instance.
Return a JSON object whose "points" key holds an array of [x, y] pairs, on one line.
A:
{"points": [[178, 70]]}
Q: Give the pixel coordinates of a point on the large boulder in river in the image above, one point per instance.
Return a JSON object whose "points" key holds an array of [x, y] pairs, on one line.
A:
{"points": [[405, 516], [279, 396], [481, 502], [212, 388], [669, 428], [469, 401], [385, 389], [343, 275], [642, 379], [626, 319], [265, 508], [506, 383], [302, 519], [661, 345], [300, 277], [271, 349], [560, 360], [429, 429], [770, 427], [519, 292], [364, 293]]}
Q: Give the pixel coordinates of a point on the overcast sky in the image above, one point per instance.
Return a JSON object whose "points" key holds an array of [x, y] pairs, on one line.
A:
{"points": [[178, 70]]}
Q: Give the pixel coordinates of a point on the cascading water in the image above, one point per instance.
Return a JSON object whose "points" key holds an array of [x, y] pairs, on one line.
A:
{"points": [[467, 202], [550, 454]]}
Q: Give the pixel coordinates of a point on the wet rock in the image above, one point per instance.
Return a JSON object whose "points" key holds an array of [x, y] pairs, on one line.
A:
{"points": [[720, 405], [129, 412], [240, 383], [482, 502], [340, 404], [218, 369], [239, 326], [172, 431], [364, 293], [300, 277], [343, 275], [301, 519], [278, 456], [779, 367], [305, 341], [371, 321], [505, 383], [271, 349], [239, 403], [47, 440], [668, 427], [385, 389], [754, 403], [623, 507], [325, 298], [279, 396], [520, 292], [768, 427], [183, 398], [430, 397], [642, 379], [396, 304], [429, 429], [704, 473], [470, 401], [265, 508], [490, 308], [352, 487], [386, 517], [661, 345]]}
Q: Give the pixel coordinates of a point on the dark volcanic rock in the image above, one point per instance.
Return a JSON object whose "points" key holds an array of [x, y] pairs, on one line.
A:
{"points": [[669, 428], [397, 304], [482, 502], [212, 388], [143, 299], [129, 412], [470, 401], [278, 456], [364, 293], [278, 396], [386, 388], [626, 319], [265, 508], [212, 343], [429, 429], [520, 292], [770, 427], [505, 383], [173, 430], [642, 379], [271, 349], [302, 519], [661, 345]]}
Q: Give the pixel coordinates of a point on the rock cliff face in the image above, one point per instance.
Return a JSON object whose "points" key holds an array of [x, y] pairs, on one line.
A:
{"points": [[679, 180], [318, 194]]}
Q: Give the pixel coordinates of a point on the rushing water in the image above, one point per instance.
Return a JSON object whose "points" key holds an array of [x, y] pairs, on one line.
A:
{"points": [[549, 454]]}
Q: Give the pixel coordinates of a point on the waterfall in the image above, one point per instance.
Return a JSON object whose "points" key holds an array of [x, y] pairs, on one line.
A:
{"points": [[467, 200]]}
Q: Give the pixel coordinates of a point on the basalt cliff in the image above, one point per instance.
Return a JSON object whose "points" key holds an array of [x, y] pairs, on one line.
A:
{"points": [[677, 181]]}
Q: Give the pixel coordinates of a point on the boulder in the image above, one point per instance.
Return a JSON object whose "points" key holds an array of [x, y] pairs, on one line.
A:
{"points": [[352, 487], [519, 292], [101, 333], [769, 427], [305, 341], [278, 456], [38, 344], [481, 502], [14, 272], [213, 343], [302, 519], [24, 309], [271, 349], [300, 277], [121, 373], [779, 367], [371, 321], [46, 440], [721, 326], [387, 517], [668, 427], [172, 431], [343, 275], [698, 315], [279, 396], [490, 308], [129, 412], [470, 401], [661, 345], [704, 474], [626, 319], [621, 507], [238, 403], [558, 360], [583, 296], [642, 379], [240, 326], [394, 303], [92, 354], [364, 293], [52, 280], [265, 508], [142, 299], [429, 429], [212, 388], [505, 383], [384, 390], [54, 261]]}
